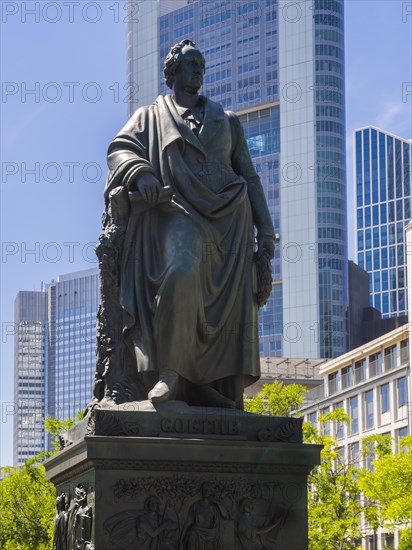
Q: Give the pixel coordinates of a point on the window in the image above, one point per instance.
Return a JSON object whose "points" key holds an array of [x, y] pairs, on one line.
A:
{"points": [[402, 432], [369, 420], [354, 414], [326, 425], [354, 454], [360, 371], [312, 417], [375, 364], [402, 391], [347, 376], [404, 351], [384, 391], [340, 433], [333, 383], [388, 541], [370, 456], [390, 358]]}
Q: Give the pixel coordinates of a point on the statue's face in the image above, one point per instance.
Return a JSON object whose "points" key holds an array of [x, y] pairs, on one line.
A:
{"points": [[189, 74]]}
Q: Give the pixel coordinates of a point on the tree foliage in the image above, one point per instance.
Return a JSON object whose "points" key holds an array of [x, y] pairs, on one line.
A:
{"points": [[276, 399], [27, 499], [390, 484], [27, 507], [335, 503], [341, 490], [56, 428]]}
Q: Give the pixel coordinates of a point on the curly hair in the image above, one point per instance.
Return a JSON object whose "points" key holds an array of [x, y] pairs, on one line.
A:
{"points": [[172, 60]]}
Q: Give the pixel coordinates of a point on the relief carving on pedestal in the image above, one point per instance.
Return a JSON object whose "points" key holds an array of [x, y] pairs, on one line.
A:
{"points": [[180, 513], [73, 523]]}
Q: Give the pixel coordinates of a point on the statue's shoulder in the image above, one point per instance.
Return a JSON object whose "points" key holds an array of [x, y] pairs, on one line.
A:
{"points": [[235, 125], [145, 115], [144, 110], [234, 119]]}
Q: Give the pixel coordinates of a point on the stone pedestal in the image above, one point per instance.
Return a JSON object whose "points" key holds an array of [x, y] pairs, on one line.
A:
{"points": [[185, 478]]}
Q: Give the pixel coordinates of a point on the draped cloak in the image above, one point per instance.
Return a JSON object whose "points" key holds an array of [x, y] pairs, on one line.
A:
{"points": [[187, 272]]}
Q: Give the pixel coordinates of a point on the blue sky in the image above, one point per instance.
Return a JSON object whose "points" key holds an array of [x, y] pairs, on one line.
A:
{"points": [[73, 56]]}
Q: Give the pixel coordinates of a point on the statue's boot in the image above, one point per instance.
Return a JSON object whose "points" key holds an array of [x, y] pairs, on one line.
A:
{"points": [[165, 389]]}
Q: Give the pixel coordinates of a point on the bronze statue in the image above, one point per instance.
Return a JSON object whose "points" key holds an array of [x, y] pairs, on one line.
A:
{"points": [[179, 297]]}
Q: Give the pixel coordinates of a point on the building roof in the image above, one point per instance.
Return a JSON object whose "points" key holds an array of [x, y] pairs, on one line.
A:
{"points": [[280, 368], [358, 353]]}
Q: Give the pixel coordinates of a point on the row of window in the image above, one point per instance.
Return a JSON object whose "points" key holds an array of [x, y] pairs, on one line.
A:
{"points": [[328, 65], [382, 167], [330, 141], [330, 111], [390, 302], [329, 5], [324, 94], [362, 411], [381, 236], [322, 35], [328, 49], [331, 233], [365, 369], [330, 187], [329, 126], [382, 213], [329, 20]]}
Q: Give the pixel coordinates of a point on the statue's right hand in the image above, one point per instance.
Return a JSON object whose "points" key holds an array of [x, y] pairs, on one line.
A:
{"points": [[149, 187]]}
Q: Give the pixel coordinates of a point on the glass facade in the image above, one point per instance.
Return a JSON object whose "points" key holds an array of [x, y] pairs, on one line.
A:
{"points": [[241, 45], [331, 175], [74, 300], [29, 375], [54, 356], [382, 175]]}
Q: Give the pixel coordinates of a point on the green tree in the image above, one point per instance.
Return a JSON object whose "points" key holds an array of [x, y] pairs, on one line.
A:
{"points": [[27, 507], [335, 503], [390, 485], [27, 499], [56, 428], [277, 399]]}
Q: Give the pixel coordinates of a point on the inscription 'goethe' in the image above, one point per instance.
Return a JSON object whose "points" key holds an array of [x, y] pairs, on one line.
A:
{"points": [[215, 426]]}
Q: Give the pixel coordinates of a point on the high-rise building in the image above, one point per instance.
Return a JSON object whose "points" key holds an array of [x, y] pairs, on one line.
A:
{"points": [[54, 358], [30, 317], [72, 301], [280, 66], [382, 164]]}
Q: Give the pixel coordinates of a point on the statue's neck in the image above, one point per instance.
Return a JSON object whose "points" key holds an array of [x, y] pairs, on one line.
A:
{"points": [[186, 100]]}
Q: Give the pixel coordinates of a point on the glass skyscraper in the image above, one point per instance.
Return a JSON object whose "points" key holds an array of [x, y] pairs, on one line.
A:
{"points": [[54, 358], [73, 301], [30, 318], [280, 67], [382, 164]]}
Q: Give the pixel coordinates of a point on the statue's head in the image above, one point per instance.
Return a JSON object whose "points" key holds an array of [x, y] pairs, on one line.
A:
{"points": [[246, 505], [183, 51], [152, 504], [80, 494], [206, 490], [61, 502]]}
